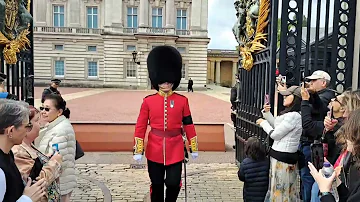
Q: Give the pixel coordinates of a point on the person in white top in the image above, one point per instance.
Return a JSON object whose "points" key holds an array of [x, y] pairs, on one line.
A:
{"points": [[286, 131], [14, 123]]}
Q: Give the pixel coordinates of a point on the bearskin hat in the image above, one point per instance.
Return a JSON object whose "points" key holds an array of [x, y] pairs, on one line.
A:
{"points": [[164, 64]]}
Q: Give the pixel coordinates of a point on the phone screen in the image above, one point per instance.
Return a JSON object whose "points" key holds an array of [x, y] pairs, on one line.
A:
{"points": [[317, 155], [267, 99]]}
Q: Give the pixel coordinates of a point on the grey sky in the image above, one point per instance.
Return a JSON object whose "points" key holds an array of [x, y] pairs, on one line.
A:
{"points": [[222, 17]]}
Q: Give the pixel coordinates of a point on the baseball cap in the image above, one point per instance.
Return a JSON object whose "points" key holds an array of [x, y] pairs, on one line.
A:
{"points": [[293, 90], [319, 74]]}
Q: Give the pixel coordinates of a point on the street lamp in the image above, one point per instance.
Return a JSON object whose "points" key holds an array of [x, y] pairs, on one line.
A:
{"points": [[134, 54]]}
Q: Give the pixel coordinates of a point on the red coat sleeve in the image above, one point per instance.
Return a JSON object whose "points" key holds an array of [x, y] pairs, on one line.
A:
{"points": [[140, 128], [189, 128]]}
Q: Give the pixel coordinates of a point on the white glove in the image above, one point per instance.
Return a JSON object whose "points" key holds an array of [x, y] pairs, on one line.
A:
{"points": [[138, 157], [194, 155]]}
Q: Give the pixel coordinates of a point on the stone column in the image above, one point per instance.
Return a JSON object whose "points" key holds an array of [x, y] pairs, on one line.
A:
{"points": [[117, 9], [74, 13], [212, 71], [170, 13], [108, 13], [234, 71], [144, 7], [204, 14], [195, 15], [217, 71]]}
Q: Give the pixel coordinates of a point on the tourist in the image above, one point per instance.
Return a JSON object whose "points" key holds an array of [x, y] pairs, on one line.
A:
{"points": [[52, 89], [286, 131], [59, 132], [34, 164], [254, 171], [14, 123], [190, 85]]}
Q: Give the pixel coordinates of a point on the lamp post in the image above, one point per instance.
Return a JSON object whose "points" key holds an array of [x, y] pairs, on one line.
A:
{"points": [[134, 54]]}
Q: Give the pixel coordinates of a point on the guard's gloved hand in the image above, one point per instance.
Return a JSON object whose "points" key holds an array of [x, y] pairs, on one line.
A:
{"points": [[138, 157], [194, 155]]}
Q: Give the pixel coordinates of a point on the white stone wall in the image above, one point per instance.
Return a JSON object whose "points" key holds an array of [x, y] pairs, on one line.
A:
{"points": [[112, 38]]}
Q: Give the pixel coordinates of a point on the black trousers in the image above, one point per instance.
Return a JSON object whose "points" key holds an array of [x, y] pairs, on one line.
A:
{"points": [[190, 88], [172, 181]]}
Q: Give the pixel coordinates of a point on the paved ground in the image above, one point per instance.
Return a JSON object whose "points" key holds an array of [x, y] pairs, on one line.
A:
{"points": [[115, 105], [215, 181]]}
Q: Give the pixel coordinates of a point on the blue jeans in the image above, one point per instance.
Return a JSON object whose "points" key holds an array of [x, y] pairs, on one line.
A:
{"points": [[315, 193], [307, 180]]}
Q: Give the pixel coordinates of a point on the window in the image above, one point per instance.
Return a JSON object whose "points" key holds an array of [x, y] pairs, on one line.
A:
{"points": [[181, 49], [92, 69], [92, 48], [181, 19], [59, 68], [59, 47], [92, 17], [130, 69], [130, 48], [59, 16], [183, 71], [132, 17], [157, 17]]}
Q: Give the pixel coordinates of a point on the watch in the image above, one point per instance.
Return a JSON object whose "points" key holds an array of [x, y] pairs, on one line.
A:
{"points": [[324, 194]]}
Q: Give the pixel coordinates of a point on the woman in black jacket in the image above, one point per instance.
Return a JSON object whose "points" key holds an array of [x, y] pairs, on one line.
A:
{"points": [[352, 136]]}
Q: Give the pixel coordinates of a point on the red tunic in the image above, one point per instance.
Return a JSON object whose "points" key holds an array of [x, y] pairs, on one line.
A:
{"points": [[165, 112]]}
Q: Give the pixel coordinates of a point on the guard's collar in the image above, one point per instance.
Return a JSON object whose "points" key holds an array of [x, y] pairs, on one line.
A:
{"points": [[163, 94]]}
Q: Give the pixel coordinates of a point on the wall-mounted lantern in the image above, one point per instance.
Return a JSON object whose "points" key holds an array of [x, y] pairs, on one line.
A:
{"points": [[136, 60]]}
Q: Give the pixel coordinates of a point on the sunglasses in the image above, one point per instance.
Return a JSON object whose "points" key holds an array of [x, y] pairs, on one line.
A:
{"points": [[336, 100], [45, 108], [29, 127]]}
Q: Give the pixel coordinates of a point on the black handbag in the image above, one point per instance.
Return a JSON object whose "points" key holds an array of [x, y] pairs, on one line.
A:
{"points": [[79, 151]]}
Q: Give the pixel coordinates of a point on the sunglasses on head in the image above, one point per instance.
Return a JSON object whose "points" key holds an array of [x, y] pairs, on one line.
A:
{"points": [[44, 108]]}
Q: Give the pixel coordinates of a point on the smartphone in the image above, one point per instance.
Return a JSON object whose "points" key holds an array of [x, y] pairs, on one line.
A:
{"points": [[55, 148], [317, 155], [267, 99], [283, 79], [332, 113]]}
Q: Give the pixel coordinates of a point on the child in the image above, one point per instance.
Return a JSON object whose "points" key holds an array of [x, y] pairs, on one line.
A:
{"points": [[254, 171]]}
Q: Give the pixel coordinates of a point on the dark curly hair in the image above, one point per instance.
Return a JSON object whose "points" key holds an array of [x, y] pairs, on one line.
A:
{"points": [[351, 130], [59, 103], [254, 150]]}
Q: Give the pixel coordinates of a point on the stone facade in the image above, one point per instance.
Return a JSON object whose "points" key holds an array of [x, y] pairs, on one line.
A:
{"points": [[90, 42], [222, 67]]}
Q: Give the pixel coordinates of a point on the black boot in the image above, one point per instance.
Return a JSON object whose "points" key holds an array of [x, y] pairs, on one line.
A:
{"points": [[172, 193], [157, 193]]}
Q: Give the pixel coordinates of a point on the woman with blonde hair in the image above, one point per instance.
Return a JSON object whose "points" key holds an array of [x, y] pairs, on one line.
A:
{"points": [[34, 164]]}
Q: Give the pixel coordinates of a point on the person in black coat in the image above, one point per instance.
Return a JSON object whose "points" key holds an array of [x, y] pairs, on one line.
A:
{"points": [[53, 89], [254, 172], [190, 85]]}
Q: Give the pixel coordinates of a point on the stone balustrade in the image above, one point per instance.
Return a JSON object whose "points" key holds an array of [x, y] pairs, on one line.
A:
{"points": [[147, 30]]}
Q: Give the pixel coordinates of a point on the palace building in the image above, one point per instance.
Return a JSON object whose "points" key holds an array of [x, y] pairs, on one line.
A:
{"points": [[90, 43]]}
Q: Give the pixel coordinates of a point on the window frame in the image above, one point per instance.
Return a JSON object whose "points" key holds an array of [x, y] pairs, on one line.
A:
{"points": [[54, 67], [92, 17], [57, 45], [127, 62], [88, 50], [182, 17], [157, 16], [58, 13], [87, 69], [132, 15]]}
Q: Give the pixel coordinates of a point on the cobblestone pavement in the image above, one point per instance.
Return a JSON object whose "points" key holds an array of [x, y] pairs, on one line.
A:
{"points": [[206, 182]]}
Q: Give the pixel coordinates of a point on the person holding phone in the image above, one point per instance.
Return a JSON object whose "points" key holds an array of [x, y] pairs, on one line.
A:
{"points": [[35, 164], [285, 130], [13, 127]]}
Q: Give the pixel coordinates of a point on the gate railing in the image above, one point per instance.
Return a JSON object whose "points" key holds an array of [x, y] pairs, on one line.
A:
{"points": [[330, 50]]}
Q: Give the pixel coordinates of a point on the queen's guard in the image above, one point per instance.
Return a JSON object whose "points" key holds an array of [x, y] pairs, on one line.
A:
{"points": [[168, 114]]}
